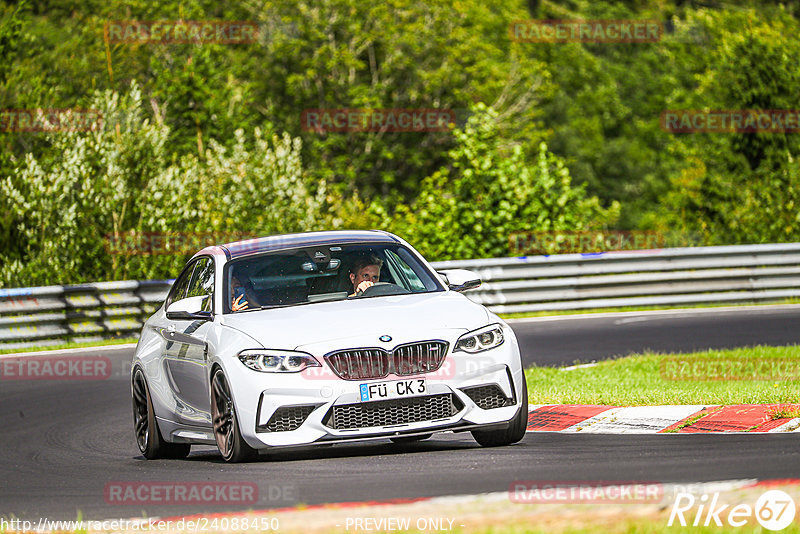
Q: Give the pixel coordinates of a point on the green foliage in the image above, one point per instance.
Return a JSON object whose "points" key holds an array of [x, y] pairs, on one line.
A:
{"points": [[741, 187], [10, 36], [395, 54], [71, 211], [470, 207], [64, 205], [566, 136], [602, 110]]}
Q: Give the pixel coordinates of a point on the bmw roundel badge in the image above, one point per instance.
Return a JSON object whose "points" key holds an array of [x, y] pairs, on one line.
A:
{"points": [[385, 339]]}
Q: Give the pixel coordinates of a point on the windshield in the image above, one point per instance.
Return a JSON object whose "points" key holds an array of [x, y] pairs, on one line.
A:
{"points": [[324, 273]]}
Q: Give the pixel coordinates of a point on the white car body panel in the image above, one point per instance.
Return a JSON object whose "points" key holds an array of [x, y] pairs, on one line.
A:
{"points": [[178, 357]]}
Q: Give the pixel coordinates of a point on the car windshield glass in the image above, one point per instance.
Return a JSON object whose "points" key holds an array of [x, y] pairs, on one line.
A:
{"points": [[324, 273]]}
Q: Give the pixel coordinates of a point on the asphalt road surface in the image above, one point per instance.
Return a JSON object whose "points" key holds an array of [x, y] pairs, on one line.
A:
{"points": [[64, 443], [567, 340]]}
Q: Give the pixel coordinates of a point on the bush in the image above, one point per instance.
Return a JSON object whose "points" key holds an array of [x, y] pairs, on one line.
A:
{"points": [[103, 185], [469, 208]]}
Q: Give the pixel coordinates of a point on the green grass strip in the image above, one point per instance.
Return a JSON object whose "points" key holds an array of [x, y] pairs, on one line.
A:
{"points": [[761, 375]]}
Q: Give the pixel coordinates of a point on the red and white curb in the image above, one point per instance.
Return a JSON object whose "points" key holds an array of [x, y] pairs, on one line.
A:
{"points": [[682, 419]]}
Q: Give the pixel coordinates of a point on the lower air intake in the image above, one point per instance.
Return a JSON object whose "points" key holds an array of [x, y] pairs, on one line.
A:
{"points": [[392, 412], [488, 397], [287, 418]]}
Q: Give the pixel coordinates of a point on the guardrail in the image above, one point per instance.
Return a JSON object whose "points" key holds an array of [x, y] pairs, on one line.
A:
{"points": [[50, 315], [700, 275], [696, 275]]}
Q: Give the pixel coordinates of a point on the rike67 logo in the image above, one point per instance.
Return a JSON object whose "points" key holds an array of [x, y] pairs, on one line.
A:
{"points": [[774, 510]]}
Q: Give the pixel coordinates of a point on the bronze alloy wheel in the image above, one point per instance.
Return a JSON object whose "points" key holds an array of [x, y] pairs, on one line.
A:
{"points": [[148, 437], [226, 427]]}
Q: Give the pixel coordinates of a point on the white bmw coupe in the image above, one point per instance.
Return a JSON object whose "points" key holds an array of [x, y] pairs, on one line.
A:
{"points": [[321, 338]]}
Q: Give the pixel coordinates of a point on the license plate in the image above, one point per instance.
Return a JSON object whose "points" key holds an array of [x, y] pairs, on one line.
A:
{"points": [[393, 390]]}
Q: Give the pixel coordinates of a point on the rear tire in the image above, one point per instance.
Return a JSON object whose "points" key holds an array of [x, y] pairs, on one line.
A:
{"points": [[229, 439], [515, 431], [148, 436]]}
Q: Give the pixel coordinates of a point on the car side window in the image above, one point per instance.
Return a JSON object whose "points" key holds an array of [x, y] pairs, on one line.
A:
{"points": [[202, 282], [178, 291], [410, 278]]}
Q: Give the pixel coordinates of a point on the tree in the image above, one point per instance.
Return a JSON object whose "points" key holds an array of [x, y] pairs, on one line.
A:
{"points": [[470, 207], [741, 187], [73, 214]]}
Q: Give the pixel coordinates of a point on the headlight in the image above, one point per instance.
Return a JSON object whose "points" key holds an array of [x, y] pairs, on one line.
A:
{"points": [[479, 340], [277, 361]]}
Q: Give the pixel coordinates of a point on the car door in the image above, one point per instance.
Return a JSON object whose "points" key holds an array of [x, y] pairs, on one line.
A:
{"points": [[185, 353]]}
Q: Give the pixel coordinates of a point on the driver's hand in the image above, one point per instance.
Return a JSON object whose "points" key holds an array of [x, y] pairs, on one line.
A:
{"points": [[238, 304], [363, 286]]}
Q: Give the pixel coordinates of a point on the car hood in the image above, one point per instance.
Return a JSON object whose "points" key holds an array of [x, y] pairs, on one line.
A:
{"points": [[359, 322]]}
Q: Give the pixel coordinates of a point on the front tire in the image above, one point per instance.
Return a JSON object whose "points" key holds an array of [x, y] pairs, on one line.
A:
{"points": [[229, 439], [148, 436], [515, 431]]}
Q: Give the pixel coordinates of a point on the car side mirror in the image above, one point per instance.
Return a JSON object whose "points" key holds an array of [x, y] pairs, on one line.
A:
{"points": [[189, 309], [460, 279]]}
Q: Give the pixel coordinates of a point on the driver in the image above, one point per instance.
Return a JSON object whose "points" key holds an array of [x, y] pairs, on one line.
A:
{"points": [[365, 271]]}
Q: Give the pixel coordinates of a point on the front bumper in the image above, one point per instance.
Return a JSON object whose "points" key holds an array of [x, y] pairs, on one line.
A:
{"points": [[314, 408]]}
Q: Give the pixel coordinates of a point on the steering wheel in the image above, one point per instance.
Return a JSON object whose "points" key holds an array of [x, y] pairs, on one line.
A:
{"points": [[382, 288]]}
